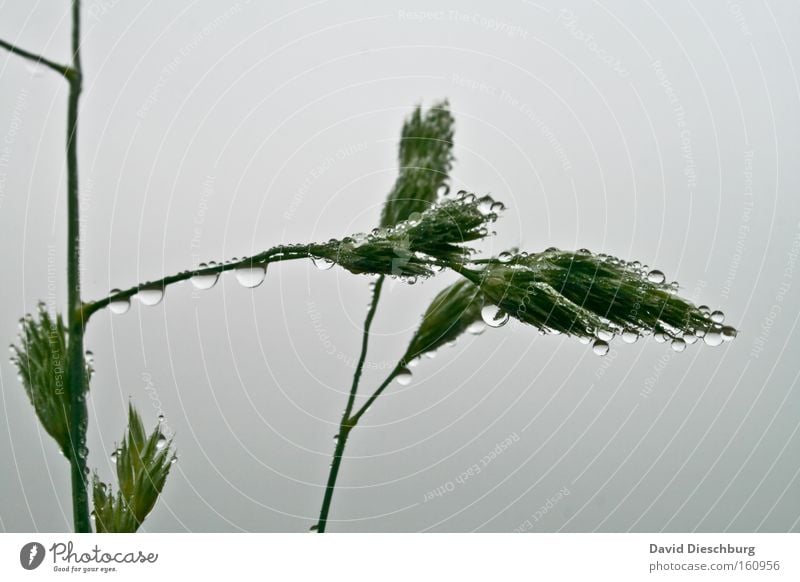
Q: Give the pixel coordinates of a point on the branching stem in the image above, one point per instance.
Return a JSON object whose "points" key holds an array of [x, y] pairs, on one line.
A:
{"points": [[62, 70], [347, 423]]}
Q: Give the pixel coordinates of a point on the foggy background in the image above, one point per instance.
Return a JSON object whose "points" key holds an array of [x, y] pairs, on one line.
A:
{"points": [[666, 133]]}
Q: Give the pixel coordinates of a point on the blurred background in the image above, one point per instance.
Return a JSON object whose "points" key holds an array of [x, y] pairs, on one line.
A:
{"points": [[666, 133]]}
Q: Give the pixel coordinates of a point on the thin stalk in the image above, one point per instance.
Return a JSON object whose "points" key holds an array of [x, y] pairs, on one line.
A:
{"points": [[273, 255], [346, 423], [76, 364], [38, 59]]}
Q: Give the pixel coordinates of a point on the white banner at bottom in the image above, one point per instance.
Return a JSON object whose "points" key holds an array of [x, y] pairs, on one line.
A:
{"points": [[390, 557]]}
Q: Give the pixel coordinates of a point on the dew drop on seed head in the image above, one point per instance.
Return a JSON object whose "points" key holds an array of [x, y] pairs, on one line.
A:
{"points": [[497, 207], [476, 328], [600, 348], [411, 280], [493, 316], [717, 317], [713, 337], [728, 333], [678, 345], [322, 263], [656, 276], [704, 310], [251, 277], [605, 334], [629, 336], [150, 296], [119, 306], [204, 282], [161, 442], [403, 377]]}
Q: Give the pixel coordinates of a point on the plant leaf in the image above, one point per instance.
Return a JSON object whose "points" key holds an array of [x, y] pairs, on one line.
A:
{"points": [[583, 294], [41, 359], [449, 315], [143, 464], [425, 159]]}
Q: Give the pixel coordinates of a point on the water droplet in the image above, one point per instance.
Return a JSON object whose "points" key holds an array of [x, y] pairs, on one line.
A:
{"points": [[314, 527], [204, 281], [678, 345], [656, 276], [504, 257], [497, 207], [605, 334], [704, 310], [476, 328], [403, 377], [629, 336], [160, 418], [430, 355], [119, 306], [660, 337], [173, 460], [322, 263], [103, 488], [115, 456], [600, 347], [717, 317], [150, 295], [161, 442], [584, 252], [690, 338], [251, 277], [411, 280], [584, 340], [713, 337], [83, 452], [493, 316], [728, 333]]}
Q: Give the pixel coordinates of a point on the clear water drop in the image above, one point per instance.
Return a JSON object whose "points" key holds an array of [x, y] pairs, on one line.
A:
{"points": [[161, 442], [600, 348], [713, 337], [115, 456], [504, 257], [173, 460], [717, 317], [119, 306], [656, 276], [403, 377], [430, 355], [497, 207], [678, 345], [150, 296], [690, 338], [160, 418], [493, 316], [605, 334], [629, 336], [660, 337], [204, 281], [322, 263], [411, 280], [314, 527], [476, 328], [728, 333], [585, 340], [704, 310], [251, 277]]}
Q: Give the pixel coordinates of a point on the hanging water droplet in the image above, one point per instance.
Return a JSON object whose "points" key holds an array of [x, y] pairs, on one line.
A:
{"points": [[413, 363], [173, 460], [728, 333], [314, 527], [103, 489], [704, 310], [114, 456], [690, 338], [83, 452], [713, 337], [493, 316], [476, 328], [431, 354], [585, 340], [150, 295], [717, 317], [160, 418], [322, 263], [251, 277], [403, 377], [605, 334], [656, 276], [497, 207], [161, 442], [204, 281], [678, 345], [629, 336], [504, 257], [411, 280], [600, 348], [119, 306], [660, 337]]}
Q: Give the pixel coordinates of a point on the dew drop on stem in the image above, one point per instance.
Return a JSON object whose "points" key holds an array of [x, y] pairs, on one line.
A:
{"points": [[493, 316], [204, 281], [656, 276], [403, 377], [251, 277], [119, 306], [600, 348], [150, 296]]}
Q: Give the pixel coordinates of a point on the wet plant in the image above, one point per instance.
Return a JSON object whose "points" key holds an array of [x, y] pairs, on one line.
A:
{"points": [[423, 229]]}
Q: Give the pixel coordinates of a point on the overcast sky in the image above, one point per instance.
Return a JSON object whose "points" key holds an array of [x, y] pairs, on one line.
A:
{"points": [[663, 132]]}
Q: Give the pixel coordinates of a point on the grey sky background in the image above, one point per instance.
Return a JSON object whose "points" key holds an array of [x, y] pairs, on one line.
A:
{"points": [[663, 132]]}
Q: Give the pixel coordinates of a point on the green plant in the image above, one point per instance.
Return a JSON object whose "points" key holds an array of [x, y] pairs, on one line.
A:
{"points": [[423, 229]]}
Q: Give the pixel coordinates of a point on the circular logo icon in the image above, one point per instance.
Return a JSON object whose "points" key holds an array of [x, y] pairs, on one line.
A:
{"points": [[31, 555]]}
